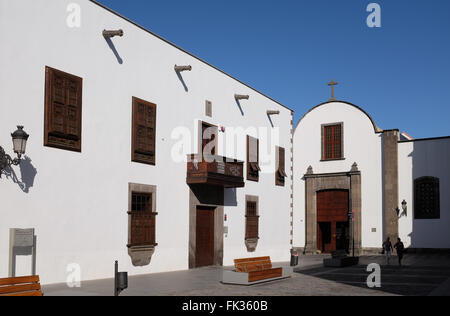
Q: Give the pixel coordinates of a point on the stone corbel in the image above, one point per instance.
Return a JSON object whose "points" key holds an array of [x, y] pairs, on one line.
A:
{"points": [[141, 256], [251, 244]]}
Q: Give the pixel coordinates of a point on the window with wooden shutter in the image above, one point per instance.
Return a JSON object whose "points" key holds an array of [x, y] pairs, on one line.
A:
{"points": [[144, 132], [253, 168], [332, 142], [63, 105], [143, 220], [252, 220], [280, 174], [426, 198], [208, 139]]}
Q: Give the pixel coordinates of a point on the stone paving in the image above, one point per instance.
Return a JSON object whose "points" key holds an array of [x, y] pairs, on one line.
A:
{"points": [[421, 275]]}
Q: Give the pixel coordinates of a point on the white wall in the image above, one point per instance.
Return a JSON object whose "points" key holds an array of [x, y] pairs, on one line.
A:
{"points": [[78, 201], [361, 145], [420, 159]]}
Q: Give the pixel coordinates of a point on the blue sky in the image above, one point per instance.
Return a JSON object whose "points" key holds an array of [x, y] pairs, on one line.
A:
{"points": [[291, 49]]}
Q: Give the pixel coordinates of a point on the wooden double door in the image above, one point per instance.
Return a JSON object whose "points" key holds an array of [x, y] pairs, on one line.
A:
{"points": [[204, 253], [333, 228]]}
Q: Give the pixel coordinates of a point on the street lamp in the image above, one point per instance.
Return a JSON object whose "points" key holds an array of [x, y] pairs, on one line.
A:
{"points": [[19, 138]]}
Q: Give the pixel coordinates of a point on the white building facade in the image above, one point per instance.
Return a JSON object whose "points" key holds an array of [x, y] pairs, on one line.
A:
{"points": [[107, 174]]}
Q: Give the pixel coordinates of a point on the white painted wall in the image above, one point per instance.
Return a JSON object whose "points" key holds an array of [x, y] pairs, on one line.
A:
{"points": [[361, 145], [419, 159], [78, 201]]}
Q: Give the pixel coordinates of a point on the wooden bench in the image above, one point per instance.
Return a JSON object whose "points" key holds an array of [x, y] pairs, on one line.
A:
{"points": [[21, 286], [258, 269]]}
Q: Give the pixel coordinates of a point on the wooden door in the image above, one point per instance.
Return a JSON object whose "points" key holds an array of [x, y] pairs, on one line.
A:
{"points": [[332, 207], [205, 237]]}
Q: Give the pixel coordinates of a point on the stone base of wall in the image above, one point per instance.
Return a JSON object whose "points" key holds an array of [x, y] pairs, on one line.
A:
{"points": [[378, 251], [428, 250]]}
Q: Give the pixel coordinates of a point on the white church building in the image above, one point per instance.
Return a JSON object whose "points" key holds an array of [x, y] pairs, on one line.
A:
{"points": [[141, 152], [356, 184]]}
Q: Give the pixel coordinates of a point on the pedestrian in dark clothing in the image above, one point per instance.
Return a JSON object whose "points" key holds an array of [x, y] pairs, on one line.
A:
{"points": [[400, 247], [387, 248]]}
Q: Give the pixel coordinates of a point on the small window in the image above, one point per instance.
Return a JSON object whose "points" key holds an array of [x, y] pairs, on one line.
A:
{"points": [[280, 174], [144, 132], [332, 146], [209, 139], [143, 220], [253, 168], [63, 102], [252, 220], [208, 108], [426, 198]]}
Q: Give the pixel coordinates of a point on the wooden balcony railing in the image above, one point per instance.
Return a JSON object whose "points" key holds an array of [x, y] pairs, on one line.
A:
{"points": [[215, 170]]}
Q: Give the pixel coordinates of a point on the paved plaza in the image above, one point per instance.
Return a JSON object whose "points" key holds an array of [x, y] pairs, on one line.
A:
{"points": [[421, 275]]}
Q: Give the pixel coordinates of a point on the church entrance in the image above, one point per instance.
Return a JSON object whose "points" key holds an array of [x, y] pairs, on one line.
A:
{"points": [[332, 220]]}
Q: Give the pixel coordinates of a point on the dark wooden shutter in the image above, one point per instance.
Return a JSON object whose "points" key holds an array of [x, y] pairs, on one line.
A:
{"points": [[209, 138], [426, 198], [144, 132], [143, 221], [63, 106], [332, 142], [280, 174], [253, 168], [252, 220]]}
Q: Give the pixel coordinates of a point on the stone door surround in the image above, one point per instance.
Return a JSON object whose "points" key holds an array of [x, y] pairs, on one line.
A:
{"points": [[350, 181]]}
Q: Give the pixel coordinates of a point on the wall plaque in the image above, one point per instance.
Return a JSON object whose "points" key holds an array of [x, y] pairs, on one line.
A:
{"points": [[23, 237]]}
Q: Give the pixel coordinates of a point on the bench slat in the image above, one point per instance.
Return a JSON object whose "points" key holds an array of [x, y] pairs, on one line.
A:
{"points": [[33, 293], [19, 288], [265, 275], [253, 267], [19, 280], [236, 261]]}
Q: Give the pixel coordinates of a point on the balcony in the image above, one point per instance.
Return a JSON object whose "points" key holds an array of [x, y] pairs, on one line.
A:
{"points": [[215, 170]]}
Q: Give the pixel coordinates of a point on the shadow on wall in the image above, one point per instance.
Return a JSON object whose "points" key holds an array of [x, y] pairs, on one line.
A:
{"points": [[180, 77], [211, 195], [113, 48], [28, 174], [240, 107]]}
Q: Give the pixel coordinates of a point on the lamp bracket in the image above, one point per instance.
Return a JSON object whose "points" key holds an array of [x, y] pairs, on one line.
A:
{"points": [[6, 160]]}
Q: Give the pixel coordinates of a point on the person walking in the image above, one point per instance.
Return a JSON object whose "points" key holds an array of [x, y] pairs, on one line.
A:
{"points": [[387, 248], [400, 247]]}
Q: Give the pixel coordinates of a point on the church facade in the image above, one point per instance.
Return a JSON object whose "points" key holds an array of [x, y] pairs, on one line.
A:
{"points": [[356, 184]]}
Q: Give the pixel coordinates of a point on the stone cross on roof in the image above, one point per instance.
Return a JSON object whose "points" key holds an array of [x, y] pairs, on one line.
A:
{"points": [[332, 84]]}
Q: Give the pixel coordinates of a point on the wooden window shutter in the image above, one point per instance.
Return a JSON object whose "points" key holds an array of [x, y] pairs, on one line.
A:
{"points": [[208, 108], [332, 142], [252, 220], [144, 132], [143, 220], [253, 168], [63, 110], [427, 198], [280, 174]]}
